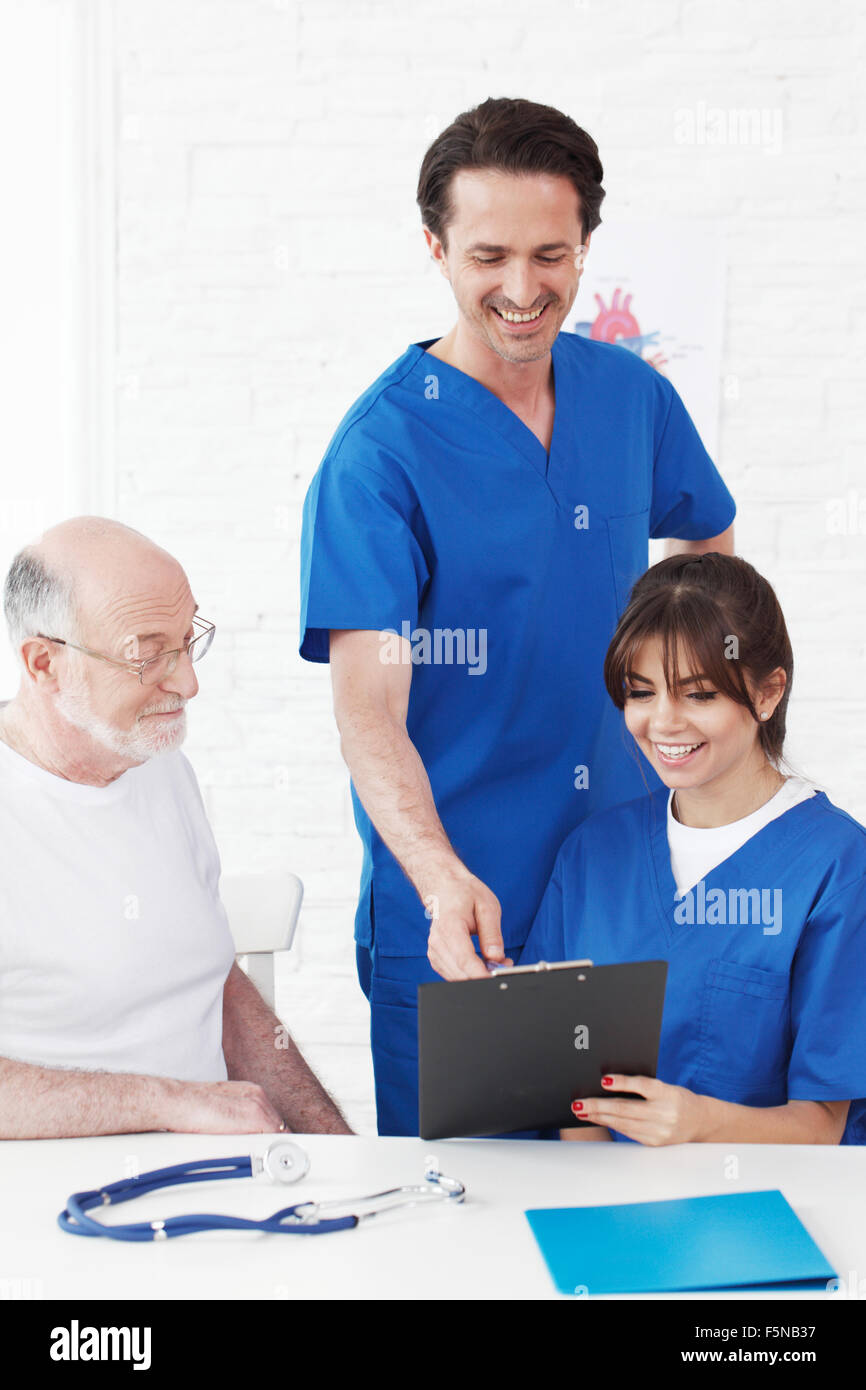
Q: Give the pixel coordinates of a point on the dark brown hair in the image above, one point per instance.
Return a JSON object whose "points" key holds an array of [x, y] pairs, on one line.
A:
{"points": [[720, 613], [518, 137]]}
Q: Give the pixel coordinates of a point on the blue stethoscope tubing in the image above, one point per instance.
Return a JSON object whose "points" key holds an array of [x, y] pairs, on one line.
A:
{"points": [[75, 1220], [284, 1161]]}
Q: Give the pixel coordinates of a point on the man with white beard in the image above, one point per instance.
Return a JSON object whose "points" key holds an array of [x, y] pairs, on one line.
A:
{"points": [[121, 1006]]}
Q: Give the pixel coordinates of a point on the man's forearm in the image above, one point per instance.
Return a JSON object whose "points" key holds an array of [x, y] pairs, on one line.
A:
{"points": [[258, 1048], [389, 776], [395, 791], [51, 1103]]}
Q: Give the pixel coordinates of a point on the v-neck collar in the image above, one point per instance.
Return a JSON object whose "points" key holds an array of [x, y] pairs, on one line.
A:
{"points": [[751, 856], [495, 413]]}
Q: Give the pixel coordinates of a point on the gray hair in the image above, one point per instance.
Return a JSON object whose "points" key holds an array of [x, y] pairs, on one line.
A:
{"points": [[38, 599]]}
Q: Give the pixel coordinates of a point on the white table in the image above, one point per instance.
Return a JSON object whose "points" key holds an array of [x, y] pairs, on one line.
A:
{"points": [[480, 1249]]}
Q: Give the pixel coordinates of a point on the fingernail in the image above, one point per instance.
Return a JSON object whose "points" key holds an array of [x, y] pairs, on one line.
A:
{"points": [[577, 1105], [607, 1081]]}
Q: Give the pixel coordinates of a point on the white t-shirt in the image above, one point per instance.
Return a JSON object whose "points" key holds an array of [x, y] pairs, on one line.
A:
{"points": [[114, 945], [695, 851]]}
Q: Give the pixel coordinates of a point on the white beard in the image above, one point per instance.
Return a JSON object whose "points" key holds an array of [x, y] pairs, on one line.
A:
{"points": [[138, 744]]}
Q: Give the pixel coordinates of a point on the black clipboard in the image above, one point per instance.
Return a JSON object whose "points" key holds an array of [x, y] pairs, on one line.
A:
{"points": [[513, 1051]]}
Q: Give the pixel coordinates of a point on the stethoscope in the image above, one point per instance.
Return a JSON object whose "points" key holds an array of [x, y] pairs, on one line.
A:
{"points": [[284, 1162]]}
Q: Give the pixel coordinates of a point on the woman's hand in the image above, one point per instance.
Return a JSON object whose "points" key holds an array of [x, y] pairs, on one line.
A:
{"points": [[667, 1115]]}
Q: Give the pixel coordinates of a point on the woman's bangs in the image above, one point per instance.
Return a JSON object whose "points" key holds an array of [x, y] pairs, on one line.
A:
{"points": [[693, 644]]}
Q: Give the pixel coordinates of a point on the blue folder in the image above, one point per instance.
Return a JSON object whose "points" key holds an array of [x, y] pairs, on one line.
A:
{"points": [[740, 1240]]}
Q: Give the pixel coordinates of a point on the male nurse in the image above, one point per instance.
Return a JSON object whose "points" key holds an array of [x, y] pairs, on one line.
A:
{"points": [[469, 541]]}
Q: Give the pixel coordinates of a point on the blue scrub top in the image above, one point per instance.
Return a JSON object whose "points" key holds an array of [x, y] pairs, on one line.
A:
{"points": [[436, 508], [763, 1003]]}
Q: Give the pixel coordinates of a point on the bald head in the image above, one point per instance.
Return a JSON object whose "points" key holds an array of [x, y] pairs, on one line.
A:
{"points": [[86, 573], [75, 543]]}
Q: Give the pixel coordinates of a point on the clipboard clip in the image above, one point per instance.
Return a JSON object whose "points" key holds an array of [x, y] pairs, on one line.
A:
{"points": [[495, 967]]}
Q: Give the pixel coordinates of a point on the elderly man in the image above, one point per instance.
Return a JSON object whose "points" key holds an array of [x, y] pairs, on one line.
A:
{"points": [[121, 1006]]}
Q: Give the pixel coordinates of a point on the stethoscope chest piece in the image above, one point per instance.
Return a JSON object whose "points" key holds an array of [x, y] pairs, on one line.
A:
{"points": [[283, 1161]]}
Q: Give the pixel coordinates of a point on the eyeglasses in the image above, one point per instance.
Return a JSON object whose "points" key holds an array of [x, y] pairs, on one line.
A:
{"points": [[155, 668]]}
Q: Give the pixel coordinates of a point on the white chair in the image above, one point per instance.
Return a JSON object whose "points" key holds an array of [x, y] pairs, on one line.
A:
{"points": [[263, 914]]}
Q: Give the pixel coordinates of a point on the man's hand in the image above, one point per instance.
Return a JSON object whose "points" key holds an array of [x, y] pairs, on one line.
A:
{"points": [[219, 1107], [460, 907]]}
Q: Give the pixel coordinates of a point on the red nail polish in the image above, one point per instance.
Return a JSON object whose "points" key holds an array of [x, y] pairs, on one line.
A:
{"points": [[577, 1105], [607, 1081]]}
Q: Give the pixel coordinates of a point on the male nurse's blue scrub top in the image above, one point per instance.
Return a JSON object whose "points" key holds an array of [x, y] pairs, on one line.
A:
{"points": [[757, 1012], [437, 507]]}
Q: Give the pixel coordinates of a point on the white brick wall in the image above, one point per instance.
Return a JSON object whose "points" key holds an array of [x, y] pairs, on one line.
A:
{"points": [[270, 264]]}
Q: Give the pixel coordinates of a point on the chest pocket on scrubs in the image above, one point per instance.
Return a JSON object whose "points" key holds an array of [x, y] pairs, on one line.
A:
{"points": [[745, 1041], [629, 552]]}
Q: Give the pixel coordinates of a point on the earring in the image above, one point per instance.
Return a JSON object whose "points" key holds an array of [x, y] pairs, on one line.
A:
{"points": [[765, 715]]}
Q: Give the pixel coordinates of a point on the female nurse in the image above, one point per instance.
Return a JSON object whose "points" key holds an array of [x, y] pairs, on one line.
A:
{"points": [[750, 883]]}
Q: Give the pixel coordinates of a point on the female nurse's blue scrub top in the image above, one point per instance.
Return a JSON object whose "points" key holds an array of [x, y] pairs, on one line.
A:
{"points": [[761, 1007], [436, 507]]}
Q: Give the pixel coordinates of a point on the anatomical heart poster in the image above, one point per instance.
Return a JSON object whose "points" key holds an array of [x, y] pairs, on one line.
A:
{"points": [[657, 289]]}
